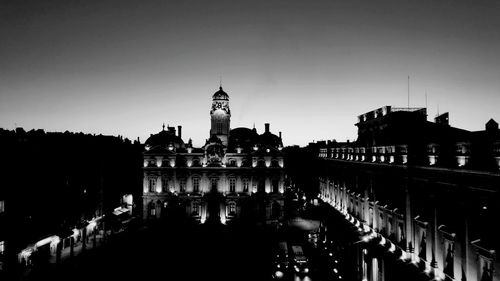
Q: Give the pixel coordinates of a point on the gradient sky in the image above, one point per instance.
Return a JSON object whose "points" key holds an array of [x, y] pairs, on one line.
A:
{"points": [[307, 67]]}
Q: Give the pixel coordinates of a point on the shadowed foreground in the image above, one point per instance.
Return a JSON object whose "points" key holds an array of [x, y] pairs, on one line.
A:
{"points": [[178, 251]]}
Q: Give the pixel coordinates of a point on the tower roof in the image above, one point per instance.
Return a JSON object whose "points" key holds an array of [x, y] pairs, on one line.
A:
{"points": [[220, 95]]}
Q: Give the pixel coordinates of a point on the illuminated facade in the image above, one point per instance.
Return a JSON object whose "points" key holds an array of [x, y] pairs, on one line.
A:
{"points": [[425, 203], [236, 174]]}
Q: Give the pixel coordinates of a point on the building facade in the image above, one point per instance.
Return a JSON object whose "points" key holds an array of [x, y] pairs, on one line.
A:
{"points": [[424, 196], [238, 173]]}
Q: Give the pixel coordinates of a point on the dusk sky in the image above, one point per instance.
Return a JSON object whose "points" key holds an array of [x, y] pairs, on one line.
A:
{"points": [[307, 67]]}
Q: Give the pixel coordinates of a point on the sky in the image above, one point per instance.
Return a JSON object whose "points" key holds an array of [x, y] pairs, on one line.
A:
{"points": [[309, 68]]}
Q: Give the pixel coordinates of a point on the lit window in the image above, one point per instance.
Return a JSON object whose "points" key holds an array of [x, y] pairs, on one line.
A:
{"points": [[2, 206], [196, 207], [196, 184], [232, 208], [2, 245], [232, 185], [152, 209]]}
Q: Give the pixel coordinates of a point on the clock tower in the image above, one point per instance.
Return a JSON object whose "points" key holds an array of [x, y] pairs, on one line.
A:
{"points": [[220, 116]]}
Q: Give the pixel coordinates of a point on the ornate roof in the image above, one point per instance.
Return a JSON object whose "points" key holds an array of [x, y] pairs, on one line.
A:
{"points": [[164, 138], [220, 95], [242, 137]]}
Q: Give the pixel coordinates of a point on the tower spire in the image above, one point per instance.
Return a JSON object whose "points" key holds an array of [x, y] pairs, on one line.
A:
{"points": [[220, 82]]}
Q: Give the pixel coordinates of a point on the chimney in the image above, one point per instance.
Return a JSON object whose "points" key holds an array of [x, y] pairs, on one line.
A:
{"points": [[179, 131], [280, 135], [267, 127]]}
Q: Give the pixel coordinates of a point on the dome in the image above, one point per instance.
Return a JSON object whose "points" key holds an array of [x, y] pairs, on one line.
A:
{"points": [[220, 95], [243, 137], [164, 138]]}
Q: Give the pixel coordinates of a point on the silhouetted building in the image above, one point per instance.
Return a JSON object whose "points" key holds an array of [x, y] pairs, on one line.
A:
{"points": [[54, 183], [237, 173], [424, 197]]}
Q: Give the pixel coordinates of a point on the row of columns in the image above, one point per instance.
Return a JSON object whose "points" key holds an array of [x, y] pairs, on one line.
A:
{"points": [[444, 254]]}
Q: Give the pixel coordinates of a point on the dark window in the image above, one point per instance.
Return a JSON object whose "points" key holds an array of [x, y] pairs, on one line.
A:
{"points": [[214, 184], [164, 184], [182, 185], [196, 207], [232, 185], [152, 184], [245, 185], [196, 184], [275, 186]]}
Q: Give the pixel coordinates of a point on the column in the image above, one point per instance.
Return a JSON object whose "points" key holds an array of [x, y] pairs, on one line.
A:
{"points": [[71, 246], [408, 223], [84, 238], [434, 235]]}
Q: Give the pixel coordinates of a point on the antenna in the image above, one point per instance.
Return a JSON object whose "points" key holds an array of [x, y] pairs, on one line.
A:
{"points": [[220, 81], [425, 99], [408, 91]]}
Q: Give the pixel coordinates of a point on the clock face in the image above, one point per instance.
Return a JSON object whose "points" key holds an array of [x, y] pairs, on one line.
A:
{"points": [[220, 105]]}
